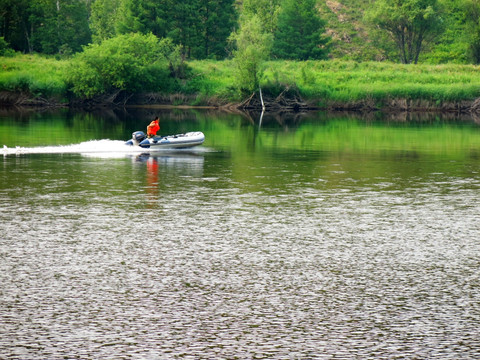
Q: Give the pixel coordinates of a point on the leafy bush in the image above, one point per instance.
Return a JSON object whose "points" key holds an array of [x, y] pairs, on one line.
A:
{"points": [[5, 49], [131, 62]]}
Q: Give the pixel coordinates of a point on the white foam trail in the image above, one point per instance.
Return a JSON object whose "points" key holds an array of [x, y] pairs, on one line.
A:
{"points": [[101, 148], [93, 146]]}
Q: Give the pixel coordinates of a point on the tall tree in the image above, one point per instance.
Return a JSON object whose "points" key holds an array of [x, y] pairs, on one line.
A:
{"points": [[48, 26], [44, 29], [184, 28], [253, 47], [73, 26], [144, 16], [201, 27], [14, 25], [266, 10], [409, 23], [216, 20], [103, 19], [300, 32]]}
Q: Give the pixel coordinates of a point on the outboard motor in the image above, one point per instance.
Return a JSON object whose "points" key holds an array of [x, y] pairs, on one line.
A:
{"points": [[137, 138]]}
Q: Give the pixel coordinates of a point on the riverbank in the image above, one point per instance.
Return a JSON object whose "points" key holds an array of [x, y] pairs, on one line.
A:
{"points": [[297, 104], [28, 80]]}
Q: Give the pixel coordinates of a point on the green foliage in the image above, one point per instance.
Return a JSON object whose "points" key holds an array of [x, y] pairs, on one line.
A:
{"points": [[13, 23], [103, 18], [201, 27], [252, 49], [266, 10], [410, 24], [217, 18], [319, 82], [345, 82], [144, 16], [472, 9], [35, 75], [46, 26], [56, 25], [132, 62], [351, 38], [452, 45], [5, 49], [299, 34]]}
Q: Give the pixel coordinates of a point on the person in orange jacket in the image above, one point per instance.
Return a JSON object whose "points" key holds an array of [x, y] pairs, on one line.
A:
{"points": [[153, 127]]}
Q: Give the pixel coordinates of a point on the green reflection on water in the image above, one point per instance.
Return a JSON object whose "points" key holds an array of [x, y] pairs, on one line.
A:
{"points": [[284, 155], [59, 127], [357, 136], [242, 136]]}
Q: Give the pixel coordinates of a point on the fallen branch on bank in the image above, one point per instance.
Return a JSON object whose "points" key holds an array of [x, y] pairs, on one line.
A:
{"points": [[289, 100]]}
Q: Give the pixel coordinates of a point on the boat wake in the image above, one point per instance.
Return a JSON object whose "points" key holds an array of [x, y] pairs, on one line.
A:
{"points": [[97, 148]]}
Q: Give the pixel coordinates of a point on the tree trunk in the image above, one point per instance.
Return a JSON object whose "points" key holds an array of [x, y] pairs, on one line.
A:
{"points": [[418, 47], [403, 54], [27, 38]]}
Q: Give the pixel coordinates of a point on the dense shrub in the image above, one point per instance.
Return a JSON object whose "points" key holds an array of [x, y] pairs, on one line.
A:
{"points": [[131, 62]]}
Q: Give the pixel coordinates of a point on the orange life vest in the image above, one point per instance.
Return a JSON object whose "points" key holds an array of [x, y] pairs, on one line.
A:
{"points": [[153, 128]]}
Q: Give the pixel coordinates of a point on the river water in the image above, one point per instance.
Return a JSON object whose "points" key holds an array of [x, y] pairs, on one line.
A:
{"points": [[307, 237]]}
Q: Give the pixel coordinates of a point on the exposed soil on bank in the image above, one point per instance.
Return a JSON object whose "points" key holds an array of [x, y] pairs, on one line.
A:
{"points": [[288, 101]]}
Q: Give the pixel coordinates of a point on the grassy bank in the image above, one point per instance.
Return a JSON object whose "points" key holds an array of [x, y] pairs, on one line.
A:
{"points": [[324, 84], [343, 83], [36, 76]]}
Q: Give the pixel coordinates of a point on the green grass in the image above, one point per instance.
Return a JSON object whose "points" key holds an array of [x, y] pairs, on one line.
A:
{"points": [[38, 75], [213, 79], [347, 81], [351, 81], [320, 82]]}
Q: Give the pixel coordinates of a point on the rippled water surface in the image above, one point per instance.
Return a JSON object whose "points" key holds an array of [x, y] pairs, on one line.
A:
{"points": [[309, 239]]}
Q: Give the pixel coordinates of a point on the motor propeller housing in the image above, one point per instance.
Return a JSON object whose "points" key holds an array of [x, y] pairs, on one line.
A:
{"points": [[137, 138]]}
